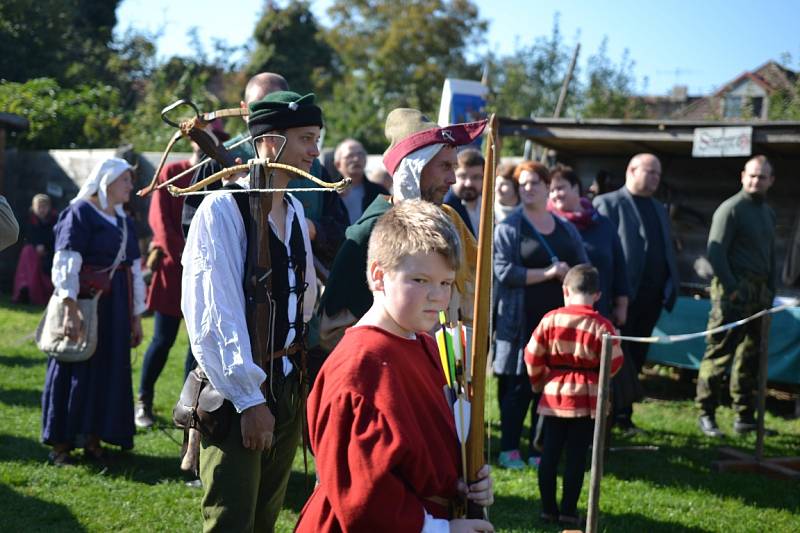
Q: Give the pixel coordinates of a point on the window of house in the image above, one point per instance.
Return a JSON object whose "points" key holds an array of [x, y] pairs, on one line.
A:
{"points": [[733, 107], [757, 103]]}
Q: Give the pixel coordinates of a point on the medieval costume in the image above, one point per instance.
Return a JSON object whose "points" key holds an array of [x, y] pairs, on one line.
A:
{"points": [[415, 141], [383, 436], [93, 397], [244, 488], [164, 291]]}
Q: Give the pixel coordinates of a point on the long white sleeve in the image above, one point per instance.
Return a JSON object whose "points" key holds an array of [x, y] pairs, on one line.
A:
{"points": [[139, 304], [435, 525], [66, 268], [213, 302]]}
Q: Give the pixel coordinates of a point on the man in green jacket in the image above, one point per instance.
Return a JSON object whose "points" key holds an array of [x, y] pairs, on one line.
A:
{"points": [[741, 248]]}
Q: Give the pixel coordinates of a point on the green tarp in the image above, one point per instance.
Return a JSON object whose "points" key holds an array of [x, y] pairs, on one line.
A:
{"points": [[690, 315]]}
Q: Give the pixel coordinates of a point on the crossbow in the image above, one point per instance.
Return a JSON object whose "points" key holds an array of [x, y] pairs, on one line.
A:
{"points": [[194, 128]]}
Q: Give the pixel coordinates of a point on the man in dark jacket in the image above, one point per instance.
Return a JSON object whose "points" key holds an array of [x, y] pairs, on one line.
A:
{"points": [[350, 160], [644, 231]]}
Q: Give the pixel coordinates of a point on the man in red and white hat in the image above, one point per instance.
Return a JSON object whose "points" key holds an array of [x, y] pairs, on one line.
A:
{"points": [[422, 160]]}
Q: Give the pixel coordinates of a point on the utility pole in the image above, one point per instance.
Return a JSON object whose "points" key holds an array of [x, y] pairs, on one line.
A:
{"points": [[562, 96]]}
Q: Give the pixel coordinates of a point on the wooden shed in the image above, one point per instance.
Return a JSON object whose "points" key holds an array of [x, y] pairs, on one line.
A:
{"points": [[692, 187]]}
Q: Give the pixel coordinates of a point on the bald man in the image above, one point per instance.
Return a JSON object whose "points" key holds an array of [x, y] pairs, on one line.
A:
{"points": [[644, 230], [257, 88], [741, 248]]}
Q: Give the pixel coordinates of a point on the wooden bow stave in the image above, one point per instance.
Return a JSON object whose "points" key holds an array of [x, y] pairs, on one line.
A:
{"points": [[482, 311]]}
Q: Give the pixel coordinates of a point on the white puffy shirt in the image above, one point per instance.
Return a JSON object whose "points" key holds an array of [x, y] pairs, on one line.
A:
{"points": [[213, 302]]}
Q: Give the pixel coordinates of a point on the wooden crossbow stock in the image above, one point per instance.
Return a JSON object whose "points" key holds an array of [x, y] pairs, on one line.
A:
{"points": [[194, 129]]}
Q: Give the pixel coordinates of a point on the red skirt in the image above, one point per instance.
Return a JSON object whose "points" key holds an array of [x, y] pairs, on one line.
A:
{"points": [[31, 277]]}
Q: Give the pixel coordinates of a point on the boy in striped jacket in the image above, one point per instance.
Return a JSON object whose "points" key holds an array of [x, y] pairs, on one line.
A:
{"points": [[563, 362]]}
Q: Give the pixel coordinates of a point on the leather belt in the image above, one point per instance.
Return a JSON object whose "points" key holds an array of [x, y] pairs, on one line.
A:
{"points": [[438, 500]]}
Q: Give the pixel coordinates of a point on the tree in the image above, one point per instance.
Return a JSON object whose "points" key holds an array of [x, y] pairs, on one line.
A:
{"points": [[64, 39], [289, 42], [784, 104], [395, 53], [610, 89], [84, 117], [528, 82]]}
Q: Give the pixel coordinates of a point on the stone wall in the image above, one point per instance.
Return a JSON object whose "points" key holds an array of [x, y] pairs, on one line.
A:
{"points": [[60, 173]]}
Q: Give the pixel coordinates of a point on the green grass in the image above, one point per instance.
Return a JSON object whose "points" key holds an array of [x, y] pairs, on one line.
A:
{"points": [[671, 489]]}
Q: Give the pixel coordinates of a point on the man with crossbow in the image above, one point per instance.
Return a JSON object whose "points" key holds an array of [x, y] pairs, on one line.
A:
{"points": [[245, 472]]}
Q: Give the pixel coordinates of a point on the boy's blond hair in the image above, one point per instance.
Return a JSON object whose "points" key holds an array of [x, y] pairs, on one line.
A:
{"points": [[410, 227]]}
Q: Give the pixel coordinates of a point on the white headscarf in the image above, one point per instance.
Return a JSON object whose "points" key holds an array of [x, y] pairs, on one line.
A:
{"points": [[409, 172], [102, 175]]}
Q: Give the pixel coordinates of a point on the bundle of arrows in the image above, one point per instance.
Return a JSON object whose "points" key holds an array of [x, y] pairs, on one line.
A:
{"points": [[454, 341]]}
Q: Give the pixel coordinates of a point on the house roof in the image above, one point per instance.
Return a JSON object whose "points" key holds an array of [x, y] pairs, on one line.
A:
{"points": [[618, 137], [771, 76], [13, 122]]}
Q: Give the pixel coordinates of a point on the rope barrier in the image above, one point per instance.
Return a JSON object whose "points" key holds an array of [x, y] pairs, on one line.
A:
{"points": [[670, 339]]}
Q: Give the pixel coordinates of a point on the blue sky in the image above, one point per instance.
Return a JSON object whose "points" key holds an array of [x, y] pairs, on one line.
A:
{"points": [[700, 43]]}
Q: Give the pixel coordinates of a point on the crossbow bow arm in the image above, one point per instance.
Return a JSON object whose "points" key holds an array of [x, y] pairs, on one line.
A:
{"points": [[194, 129], [338, 186]]}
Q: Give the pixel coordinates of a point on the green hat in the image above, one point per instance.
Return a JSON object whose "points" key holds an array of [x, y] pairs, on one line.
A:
{"points": [[282, 110]]}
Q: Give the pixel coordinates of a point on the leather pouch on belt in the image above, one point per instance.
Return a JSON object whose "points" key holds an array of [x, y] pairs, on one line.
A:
{"points": [[203, 408]]}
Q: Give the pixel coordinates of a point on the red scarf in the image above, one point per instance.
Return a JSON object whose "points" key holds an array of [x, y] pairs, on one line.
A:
{"points": [[583, 219]]}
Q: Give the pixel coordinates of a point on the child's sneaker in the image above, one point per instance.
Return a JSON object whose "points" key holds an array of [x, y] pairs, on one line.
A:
{"points": [[534, 461], [511, 460]]}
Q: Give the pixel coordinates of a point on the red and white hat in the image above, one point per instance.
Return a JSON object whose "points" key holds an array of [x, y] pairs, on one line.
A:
{"points": [[408, 130]]}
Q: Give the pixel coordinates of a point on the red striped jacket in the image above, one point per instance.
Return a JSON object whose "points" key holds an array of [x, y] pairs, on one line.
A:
{"points": [[563, 360]]}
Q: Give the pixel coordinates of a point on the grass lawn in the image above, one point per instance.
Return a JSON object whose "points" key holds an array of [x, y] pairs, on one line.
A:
{"points": [[671, 489]]}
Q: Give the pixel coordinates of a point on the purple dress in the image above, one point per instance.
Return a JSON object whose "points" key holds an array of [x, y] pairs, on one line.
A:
{"points": [[95, 397]]}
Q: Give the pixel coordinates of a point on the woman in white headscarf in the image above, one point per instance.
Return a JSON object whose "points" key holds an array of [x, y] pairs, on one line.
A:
{"points": [[89, 402]]}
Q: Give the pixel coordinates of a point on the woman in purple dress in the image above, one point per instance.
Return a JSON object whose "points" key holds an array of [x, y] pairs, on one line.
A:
{"points": [[91, 401]]}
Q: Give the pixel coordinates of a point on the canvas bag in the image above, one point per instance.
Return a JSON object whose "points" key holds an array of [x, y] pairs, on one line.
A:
{"points": [[50, 336]]}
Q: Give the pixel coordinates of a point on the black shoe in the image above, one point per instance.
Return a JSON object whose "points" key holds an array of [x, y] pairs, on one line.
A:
{"points": [[743, 426], [569, 520], [60, 458], [97, 455], [627, 428], [708, 425], [144, 415]]}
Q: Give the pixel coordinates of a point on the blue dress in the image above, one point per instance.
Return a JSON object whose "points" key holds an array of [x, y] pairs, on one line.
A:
{"points": [[95, 397]]}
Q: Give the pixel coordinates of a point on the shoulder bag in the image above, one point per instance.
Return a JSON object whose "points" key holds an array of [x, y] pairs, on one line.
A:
{"points": [[50, 336]]}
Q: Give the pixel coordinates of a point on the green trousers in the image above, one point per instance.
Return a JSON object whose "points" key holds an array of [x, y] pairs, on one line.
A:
{"points": [[243, 490], [737, 348]]}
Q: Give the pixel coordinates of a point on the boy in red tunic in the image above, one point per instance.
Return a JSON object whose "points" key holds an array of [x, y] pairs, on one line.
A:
{"points": [[381, 429], [563, 362]]}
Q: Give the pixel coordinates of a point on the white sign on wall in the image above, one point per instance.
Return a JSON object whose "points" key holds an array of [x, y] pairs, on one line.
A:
{"points": [[722, 142]]}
